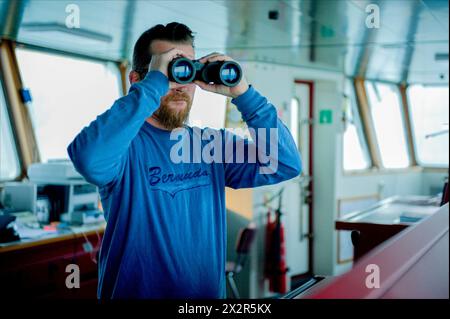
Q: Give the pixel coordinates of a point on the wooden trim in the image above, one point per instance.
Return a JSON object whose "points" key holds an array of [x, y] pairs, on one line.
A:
{"points": [[367, 122], [408, 126], [123, 66], [49, 240], [12, 17], [21, 121]]}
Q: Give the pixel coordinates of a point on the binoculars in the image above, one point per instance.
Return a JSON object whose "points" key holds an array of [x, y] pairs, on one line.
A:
{"points": [[183, 71]]}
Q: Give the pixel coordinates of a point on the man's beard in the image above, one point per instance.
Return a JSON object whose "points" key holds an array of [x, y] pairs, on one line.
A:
{"points": [[172, 118]]}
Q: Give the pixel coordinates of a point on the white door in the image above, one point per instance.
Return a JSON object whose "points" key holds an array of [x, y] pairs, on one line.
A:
{"points": [[297, 220]]}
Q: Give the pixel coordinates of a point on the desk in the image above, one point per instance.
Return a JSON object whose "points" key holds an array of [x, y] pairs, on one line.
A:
{"points": [[36, 268], [413, 265], [373, 226]]}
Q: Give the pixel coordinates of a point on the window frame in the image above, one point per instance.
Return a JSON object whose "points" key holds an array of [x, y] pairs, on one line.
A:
{"points": [[13, 131], [121, 67], [364, 124], [427, 167], [359, 125], [408, 126], [369, 133], [402, 119], [17, 112]]}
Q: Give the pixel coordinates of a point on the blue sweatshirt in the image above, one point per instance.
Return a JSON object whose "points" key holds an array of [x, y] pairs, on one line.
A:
{"points": [[166, 222]]}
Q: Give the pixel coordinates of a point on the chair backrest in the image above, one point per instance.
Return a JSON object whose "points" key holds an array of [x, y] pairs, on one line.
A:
{"points": [[245, 239], [445, 194]]}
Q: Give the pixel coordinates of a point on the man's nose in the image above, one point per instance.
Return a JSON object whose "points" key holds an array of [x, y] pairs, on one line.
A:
{"points": [[185, 88], [179, 87]]}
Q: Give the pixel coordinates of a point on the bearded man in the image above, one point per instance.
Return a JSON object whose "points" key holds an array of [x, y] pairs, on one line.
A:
{"points": [[166, 222]]}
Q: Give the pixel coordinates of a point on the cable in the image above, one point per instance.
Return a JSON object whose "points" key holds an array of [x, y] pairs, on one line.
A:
{"points": [[89, 248]]}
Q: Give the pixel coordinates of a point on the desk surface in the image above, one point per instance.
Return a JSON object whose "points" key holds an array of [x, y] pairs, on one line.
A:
{"points": [[394, 210], [43, 237]]}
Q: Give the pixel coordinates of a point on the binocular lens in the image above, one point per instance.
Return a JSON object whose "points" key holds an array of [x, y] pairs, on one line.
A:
{"points": [[182, 71], [230, 73]]}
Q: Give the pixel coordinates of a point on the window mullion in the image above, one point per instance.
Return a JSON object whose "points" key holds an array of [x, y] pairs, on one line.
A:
{"points": [[408, 127], [367, 123]]}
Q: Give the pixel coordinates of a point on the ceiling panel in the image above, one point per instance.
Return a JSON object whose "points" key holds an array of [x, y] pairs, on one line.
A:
{"points": [[439, 10], [100, 33], [208, 19], [329, 34]]}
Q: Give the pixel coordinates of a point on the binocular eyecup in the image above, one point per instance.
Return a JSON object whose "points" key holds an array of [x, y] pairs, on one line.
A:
{"points": [[183, 71]]}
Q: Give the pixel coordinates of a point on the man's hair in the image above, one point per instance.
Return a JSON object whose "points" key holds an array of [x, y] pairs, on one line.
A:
{"points": [[173, 32]]}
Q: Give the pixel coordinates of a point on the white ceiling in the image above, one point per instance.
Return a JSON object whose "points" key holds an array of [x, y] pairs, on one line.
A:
{"points": [[329, 34]]}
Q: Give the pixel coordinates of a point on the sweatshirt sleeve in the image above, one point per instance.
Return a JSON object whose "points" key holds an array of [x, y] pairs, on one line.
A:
{"points": [[271, 157], [98, 151]]}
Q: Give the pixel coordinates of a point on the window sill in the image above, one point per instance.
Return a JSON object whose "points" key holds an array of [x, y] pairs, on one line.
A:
{"points": [[380, 171]]}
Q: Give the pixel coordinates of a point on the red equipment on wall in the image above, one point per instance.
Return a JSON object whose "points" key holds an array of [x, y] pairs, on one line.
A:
{"points": [[275, 268]]}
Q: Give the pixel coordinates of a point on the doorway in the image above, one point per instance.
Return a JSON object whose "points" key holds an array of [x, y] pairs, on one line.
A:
{"points": [[301, 229]]}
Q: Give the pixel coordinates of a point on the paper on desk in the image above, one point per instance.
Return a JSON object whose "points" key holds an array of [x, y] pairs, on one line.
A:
{"points": [[26, 232]]}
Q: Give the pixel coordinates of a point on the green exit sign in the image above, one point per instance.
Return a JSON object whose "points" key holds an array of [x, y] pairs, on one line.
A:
{"points": [[326, 116]]}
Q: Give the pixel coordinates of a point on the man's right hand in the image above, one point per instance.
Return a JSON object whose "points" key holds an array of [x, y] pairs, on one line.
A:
{"points": [[160, 62]]}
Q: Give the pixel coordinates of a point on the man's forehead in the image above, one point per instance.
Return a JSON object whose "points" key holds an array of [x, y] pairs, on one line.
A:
{"points": [[160, 46]]}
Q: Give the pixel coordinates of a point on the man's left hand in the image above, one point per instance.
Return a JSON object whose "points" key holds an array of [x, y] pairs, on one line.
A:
{"points": [[232, 92]]}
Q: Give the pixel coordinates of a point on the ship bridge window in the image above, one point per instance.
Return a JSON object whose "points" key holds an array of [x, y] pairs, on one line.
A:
{"points": [[385, 108], [67, 94], [9, 160], [429, 111], [355, 151]]}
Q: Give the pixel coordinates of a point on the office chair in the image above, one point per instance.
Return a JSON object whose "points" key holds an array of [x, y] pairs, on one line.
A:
{"points": [[445, 193], [243, 244]]}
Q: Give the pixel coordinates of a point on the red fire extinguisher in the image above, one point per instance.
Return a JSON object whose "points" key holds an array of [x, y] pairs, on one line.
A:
{"points": [[275, 268], [279, 279], [268, 241]]}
